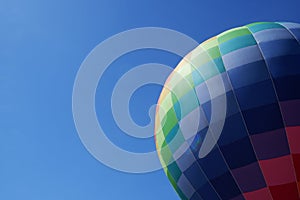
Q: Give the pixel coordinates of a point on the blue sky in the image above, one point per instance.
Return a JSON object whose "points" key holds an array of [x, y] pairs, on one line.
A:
{"points": [[43, 43]]}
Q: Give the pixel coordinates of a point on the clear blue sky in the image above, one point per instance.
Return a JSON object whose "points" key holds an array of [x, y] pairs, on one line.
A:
{"points": [[42, 44]]}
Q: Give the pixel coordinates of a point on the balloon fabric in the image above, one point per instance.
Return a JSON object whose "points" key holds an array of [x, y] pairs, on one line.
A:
{"points": [[228, 118]]}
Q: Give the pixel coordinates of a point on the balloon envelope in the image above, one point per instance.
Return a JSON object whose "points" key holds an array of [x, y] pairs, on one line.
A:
{"points": [[228, 118]]}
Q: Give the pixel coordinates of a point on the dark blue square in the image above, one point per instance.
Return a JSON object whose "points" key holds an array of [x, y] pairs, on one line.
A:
{"points": [[195, 175], [287, 88], [208, 192], [233, 130], [239, 153], [284, 65], [255, 95], [213, 165], [264, 118], [225, 186]]}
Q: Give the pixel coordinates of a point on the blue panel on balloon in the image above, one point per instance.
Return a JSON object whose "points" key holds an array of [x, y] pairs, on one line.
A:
{"points": [[287, 87], [248, 74], [208, 192], [284, 65], [213, 165], [296, 33], [279, 48], [239, 153], [232, 106], [226, 192], [259, 120], [263, 93], [234, 129], [207, 106], [195, 175]]}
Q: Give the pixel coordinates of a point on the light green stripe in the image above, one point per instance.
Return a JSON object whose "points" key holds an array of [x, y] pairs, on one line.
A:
{"points": [[210, 43], [233, 33], [214, 52], [166, 155], [170, 121]]}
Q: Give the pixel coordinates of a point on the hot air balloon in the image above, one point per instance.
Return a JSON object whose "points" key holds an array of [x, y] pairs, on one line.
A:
{"points": [[227, 122]]}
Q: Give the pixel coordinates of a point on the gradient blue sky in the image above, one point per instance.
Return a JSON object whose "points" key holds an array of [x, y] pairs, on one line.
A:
{"points": [[42, 44]]}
